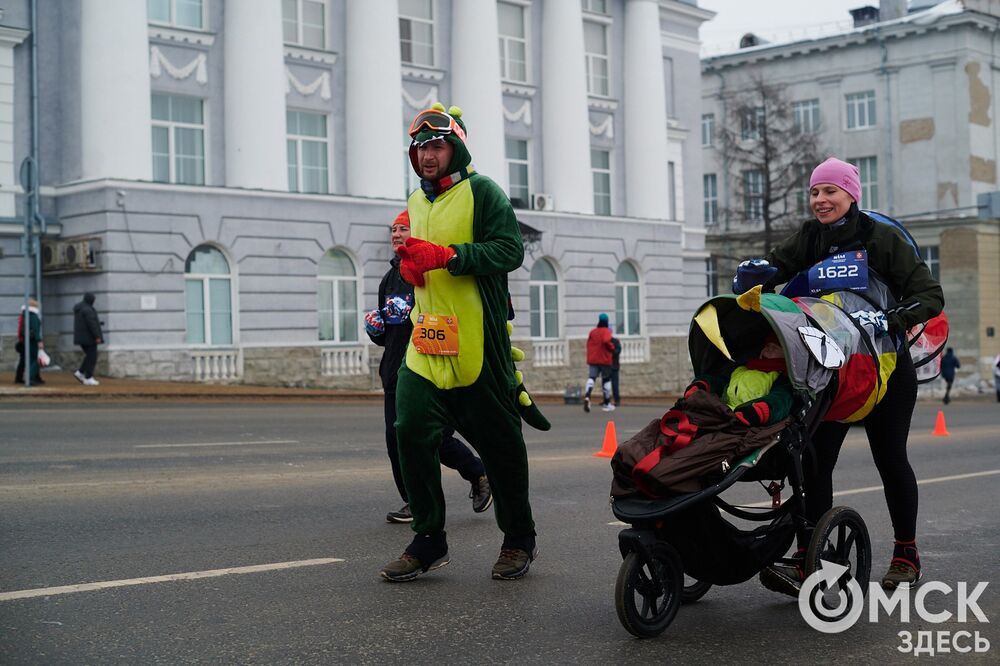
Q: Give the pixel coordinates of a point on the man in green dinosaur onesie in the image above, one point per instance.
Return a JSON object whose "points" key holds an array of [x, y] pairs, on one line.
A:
{"points": [[459, 369]]}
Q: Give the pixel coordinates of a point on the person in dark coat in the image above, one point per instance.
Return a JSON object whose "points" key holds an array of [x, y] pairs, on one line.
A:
{"points": [[87, 333], [29, 354], [389, 326], [949, 364]]}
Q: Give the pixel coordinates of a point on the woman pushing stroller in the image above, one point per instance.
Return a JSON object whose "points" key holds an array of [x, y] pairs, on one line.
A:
{"points": [[840, 228]]}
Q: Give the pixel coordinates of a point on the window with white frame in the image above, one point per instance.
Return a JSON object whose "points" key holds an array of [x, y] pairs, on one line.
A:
{"points": [[178, 13], [868, 174], [710, 185], [304, 22], [707, 129], [861, 110], [627, 310], [595, 46], [411, 181], [595, 6], [178, 139], [513, 42], [543, 290], [337, 298], [931, 254], [753, 195], [600, 167], [517, 172], [805, 115], [208, 297], [416, 32], [308, 152], [751, 122], [711, 277]]}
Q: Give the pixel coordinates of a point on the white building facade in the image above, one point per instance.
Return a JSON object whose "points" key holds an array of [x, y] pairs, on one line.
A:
{"points": [[228, 171], [912, 102]]}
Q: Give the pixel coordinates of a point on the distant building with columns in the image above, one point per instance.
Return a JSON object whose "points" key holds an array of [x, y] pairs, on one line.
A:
{"points": [[222, 174]]}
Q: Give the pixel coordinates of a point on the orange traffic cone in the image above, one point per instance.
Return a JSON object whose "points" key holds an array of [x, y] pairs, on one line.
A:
{"points": [[610, 442], [940, 430]]}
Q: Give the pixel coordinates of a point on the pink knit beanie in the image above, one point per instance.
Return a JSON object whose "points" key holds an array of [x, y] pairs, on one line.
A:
{"points": [[839, 173]]}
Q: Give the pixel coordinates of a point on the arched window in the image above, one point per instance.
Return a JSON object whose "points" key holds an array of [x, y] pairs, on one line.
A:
{"points": [[544, 292], [627, 320], [208, 297], [337, 298]]}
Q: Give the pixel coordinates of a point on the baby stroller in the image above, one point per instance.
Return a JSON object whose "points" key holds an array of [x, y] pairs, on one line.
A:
{"points": [[834, 364]]}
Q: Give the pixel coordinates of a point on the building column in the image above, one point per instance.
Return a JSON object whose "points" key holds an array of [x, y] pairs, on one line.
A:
{"points": [[374, 134], [254, 64], [475, 84], [565, 114], [115, 130], [645, 121]]}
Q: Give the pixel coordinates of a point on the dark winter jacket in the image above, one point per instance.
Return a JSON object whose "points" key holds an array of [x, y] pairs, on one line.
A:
{"points": [[616, 354], [86, 326], [395, 301], [949, 363], [918, 295]]}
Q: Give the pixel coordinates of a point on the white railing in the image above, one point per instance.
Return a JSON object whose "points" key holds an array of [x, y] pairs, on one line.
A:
{"points": [[217, 365], [549, 353], [634, 350], [343, 361]]}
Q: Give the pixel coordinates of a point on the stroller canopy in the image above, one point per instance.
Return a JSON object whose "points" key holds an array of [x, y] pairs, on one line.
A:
{"points": [[822, 345]]}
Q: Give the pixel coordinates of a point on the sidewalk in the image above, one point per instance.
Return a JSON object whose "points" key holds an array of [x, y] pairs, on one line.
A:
{"points": [[62, 384]]}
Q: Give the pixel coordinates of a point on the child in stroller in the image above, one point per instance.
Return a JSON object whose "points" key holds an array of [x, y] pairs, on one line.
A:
{"points": [[673, 505]]}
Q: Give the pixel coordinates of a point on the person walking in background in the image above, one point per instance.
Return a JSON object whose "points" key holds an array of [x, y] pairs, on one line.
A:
{"points": [[949, 363], [28, 354], [615, 367], [389, 326], [87, 333], [599, 357]]}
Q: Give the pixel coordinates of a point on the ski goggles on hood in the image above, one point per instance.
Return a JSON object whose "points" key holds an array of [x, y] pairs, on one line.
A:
{"points": [[438, 122]]}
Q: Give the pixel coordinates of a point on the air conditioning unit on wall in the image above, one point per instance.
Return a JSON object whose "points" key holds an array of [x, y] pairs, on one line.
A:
{"points": [[70, 255], [540, 201]]}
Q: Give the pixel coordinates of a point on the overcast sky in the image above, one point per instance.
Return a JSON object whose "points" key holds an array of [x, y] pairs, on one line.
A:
{"points": [[774, 20]]}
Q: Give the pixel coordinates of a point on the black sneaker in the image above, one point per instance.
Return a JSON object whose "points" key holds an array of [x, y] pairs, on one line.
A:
{"points": [[785, 578], [481, 495], [401, 516]]}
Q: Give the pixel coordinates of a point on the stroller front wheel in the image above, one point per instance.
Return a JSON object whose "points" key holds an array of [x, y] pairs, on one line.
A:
{"points": [[841, 537], [694, 590], [648, 590]]}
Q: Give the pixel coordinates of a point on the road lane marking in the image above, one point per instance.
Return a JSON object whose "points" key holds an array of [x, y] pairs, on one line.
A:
{"points": [[177, 446], [867, 489], [190, 575]]}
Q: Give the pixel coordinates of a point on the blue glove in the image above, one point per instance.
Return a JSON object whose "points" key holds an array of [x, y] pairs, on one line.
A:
{"points": [[873, 321], [751, 273], [374, 324]]}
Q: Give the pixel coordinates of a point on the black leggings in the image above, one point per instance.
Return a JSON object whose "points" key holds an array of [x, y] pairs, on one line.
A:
{"points": [[887, 428]]}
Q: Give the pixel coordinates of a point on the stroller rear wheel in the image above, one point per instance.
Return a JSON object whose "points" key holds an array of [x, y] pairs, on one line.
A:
{"points": [[694, 590], [841, 537], [648, 591]]}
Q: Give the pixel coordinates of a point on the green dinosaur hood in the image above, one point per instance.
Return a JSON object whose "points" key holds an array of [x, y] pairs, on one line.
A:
{"points": [[461, 158]]}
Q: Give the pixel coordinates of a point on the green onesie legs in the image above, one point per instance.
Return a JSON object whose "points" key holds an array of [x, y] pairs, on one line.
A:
{"points": [[487, 417]]}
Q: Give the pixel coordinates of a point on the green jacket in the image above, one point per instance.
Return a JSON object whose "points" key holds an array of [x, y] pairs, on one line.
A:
{"points": [[918, 295]]}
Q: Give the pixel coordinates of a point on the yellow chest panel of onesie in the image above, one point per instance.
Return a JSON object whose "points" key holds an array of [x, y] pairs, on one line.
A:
{"points": [[447, 221]]}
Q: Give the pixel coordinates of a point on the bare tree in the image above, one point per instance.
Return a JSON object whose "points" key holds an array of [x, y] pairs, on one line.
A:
{"points": [[768, 147]]}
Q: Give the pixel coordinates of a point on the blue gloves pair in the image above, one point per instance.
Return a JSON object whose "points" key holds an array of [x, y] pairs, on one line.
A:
{"points": [[751, 273], [374, 325], [873, 321]]}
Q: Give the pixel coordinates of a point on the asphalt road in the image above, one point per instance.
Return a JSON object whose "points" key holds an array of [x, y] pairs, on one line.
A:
{"points": [[94, 492]]}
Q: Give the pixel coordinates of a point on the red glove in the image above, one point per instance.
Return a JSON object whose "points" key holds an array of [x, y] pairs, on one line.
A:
{"points": [[419, 256], [754, 414], [696, 385]]}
